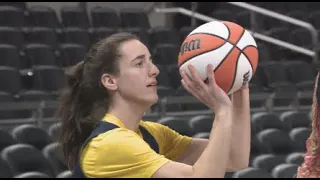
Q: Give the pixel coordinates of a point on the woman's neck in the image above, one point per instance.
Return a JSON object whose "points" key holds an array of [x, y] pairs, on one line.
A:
{"points": [[129, 114]]}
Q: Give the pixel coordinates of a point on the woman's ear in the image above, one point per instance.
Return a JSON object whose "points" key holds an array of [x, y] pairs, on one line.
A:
{"points": [[109, 82]]}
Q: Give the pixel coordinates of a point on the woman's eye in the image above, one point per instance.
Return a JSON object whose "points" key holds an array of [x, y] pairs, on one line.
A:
{"points": [[140, 63]]}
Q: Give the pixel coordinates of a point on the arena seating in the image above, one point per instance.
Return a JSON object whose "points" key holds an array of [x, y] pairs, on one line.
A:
{"points": [[35, 48]]}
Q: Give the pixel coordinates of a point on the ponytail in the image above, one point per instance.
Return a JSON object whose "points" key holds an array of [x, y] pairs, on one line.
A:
{"points": [[75, 112]]}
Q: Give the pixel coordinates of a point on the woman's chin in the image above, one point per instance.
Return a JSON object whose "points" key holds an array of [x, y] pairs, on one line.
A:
{"points": [[153, 99]]}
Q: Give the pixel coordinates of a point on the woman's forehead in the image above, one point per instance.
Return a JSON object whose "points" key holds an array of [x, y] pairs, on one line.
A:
{"points": [[134, 48]]}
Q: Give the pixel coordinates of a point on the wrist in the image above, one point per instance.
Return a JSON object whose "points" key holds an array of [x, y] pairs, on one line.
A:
{"points": [[241, 91], [224, 116], [224, 110]]}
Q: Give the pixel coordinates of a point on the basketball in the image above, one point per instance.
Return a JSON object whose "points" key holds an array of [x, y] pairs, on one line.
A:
{"points": [[230, 48]]}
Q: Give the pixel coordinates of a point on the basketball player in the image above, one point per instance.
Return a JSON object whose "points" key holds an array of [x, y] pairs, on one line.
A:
{"points": [[310, 168], [118, 79]]}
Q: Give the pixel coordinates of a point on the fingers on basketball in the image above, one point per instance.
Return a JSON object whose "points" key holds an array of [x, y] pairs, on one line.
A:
{"points": [[210, 73], [196, 77]]}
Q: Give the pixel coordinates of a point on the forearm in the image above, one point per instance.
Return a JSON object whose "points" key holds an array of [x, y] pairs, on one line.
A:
{"points": [[241, 135], [214, 159]]}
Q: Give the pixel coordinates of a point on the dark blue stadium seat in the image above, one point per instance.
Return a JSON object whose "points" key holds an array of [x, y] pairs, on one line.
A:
{"points": [[201, 123], [32, 135], [74, 16], [10, 81], [265, 120], [40, 54], [50, 79], [16, 15], [179, 124], [98, 34], [301, 73], [42, 16], [166, 54], [6, 140], [267, 161], [295, 158], [251, 172], [71, 54], [285, 171], [42, 35], [275, 141], [164, 35], [105, 17], [134, 17], [275, 75], [12, 36], [294, 119], [54, 155], [10, 56], [24, 158], [75, 35], [5, 170], [299, 137]]}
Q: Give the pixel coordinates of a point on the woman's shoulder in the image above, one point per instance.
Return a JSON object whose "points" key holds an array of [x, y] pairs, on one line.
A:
{"points": [[152, 126], [150, 123]]}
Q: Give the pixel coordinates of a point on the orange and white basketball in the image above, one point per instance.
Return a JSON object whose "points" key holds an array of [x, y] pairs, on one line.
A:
{"points": [[230, 48]]}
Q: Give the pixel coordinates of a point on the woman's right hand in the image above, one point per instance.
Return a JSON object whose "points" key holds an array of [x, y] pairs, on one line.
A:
{"points": [[210, 94]]}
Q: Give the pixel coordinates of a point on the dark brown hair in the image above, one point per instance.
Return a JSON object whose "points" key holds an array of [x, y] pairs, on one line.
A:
{"points": [[85, 100]]}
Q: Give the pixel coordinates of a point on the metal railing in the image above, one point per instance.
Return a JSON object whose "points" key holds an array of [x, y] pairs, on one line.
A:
{"points": [[288, 19], [311, 53]]}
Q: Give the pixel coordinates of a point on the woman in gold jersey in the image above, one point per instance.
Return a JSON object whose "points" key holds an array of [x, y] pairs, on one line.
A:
{"points": [[103, 134]]}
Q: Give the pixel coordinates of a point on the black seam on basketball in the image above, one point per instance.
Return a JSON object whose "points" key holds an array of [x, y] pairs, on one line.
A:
{"points": [[221, 62], [235, 71], [203, 53], [243, 30], [229, 32], [223, 59], [242, 52]]}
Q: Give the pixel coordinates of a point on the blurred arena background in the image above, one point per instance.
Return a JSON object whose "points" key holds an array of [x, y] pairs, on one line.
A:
{"points": [[39, 39]]}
